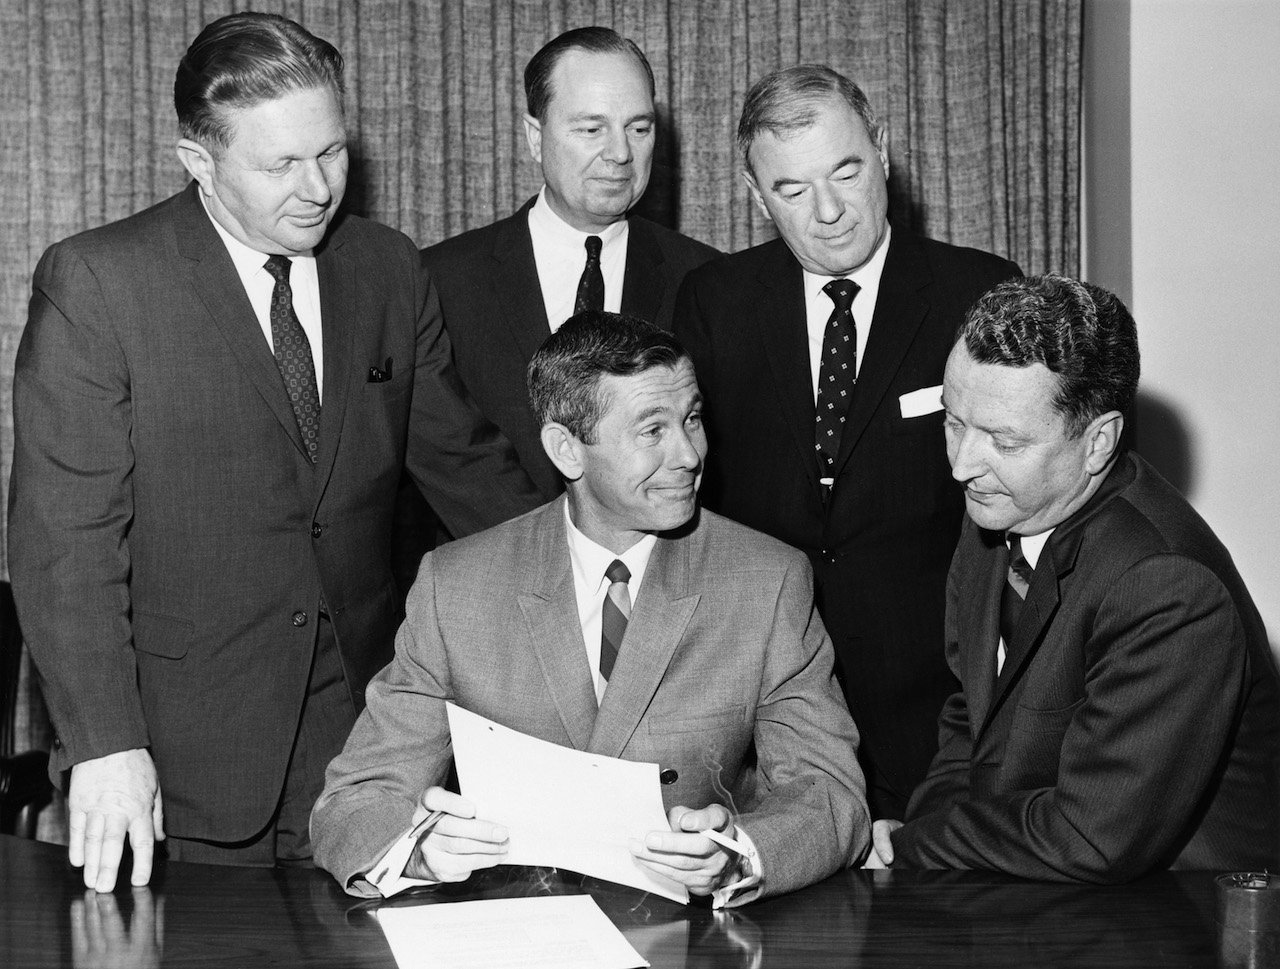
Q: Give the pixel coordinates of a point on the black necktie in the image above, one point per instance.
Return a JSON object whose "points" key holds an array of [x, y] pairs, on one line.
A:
{"points": [[591, 285], [293, 356], [1017, 582], [614, 616], [837, 373]]}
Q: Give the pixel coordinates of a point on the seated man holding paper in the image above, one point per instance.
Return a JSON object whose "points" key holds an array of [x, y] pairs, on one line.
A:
{"points": [[721, 672]]}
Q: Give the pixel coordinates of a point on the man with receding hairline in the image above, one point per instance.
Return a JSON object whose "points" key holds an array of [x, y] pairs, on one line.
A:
{"points": [[829, 344], [591, 127], [213, 403]]}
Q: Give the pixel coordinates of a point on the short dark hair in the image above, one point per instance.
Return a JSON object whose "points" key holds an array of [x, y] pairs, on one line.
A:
{"points": [[595, 40], [787, 101], [1080, 332], [244, 59], [564, 375]]}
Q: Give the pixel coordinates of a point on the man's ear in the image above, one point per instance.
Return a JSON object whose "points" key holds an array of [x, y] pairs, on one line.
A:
{"points": [[882, 149], [533, 135], [198, 161], [564, 450], [1104, 440], [749, 177]]}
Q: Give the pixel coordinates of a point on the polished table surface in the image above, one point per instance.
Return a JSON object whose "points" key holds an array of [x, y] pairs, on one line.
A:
{"points": [[202, 915]]}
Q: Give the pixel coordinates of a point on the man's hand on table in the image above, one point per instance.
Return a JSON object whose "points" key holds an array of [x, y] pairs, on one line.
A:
{"points": [[111, 798], [881, 854]]}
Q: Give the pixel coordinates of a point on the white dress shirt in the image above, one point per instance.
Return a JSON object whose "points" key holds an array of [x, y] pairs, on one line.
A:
{"points": [[589, 562], [259, 285], [818, 306], [1032, 546], [560, 254]]}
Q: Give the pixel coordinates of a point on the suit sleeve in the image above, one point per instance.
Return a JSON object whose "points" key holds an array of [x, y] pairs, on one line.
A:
{"points": [[462, 463], [398, 748], [948, 778], [71, 509], [1164, 671], [810, 817]]}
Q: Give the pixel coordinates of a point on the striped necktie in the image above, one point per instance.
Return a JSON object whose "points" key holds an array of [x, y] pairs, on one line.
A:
{"points": [[614, 616]]}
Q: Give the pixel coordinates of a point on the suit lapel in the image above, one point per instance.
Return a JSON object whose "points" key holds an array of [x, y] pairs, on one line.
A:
{"points": [[901, 307], [644, 287], [339, 308], [779, 327], [550, 608], [213, 276], [517, 292], [1057, 561], [662, 611]]}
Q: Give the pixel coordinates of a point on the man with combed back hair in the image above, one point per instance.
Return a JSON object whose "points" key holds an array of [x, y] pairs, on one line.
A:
{"points": [[620, 620], [821, 357], [591, 127], [213, 403], [1118, 707]]}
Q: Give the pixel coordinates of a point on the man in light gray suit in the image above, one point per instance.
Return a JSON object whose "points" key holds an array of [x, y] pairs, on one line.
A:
{"points": [[721, 664]]}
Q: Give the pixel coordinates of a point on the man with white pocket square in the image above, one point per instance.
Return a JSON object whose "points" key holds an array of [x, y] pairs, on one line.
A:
{"points": [[820, 356]]}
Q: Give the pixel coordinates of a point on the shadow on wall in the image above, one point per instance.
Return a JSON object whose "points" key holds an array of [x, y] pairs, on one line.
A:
{"points": [[1161, 437]]}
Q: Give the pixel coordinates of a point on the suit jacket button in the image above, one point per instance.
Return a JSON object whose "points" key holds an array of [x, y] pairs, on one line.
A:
{"points": [[669, 776], [316, 529], [299, 618]]}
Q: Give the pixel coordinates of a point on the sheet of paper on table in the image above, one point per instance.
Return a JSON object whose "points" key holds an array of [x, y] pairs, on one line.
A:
{"points": [[563, 808], [552, 931]]}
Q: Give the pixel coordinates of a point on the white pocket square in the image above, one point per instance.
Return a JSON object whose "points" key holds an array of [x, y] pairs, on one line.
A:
{"points": [[926, 400]]}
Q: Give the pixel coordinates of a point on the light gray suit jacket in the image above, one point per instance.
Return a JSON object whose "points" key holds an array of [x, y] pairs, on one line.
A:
{"points": [[723, 654]]}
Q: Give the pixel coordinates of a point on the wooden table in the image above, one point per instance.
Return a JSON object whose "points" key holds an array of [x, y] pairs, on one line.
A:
{"points": [[202, 915]]}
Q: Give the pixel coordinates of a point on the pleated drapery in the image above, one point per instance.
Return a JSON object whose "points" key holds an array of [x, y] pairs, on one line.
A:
{"points": [[980, 99]]}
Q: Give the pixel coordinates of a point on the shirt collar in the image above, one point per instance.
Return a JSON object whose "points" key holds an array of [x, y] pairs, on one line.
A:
{"points": [[590, 559], [543, 219], [866, 276], [1032, 546]]}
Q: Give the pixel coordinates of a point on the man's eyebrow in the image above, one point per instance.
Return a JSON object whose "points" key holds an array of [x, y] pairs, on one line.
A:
{"points": [[652, 411], [847, 160]]}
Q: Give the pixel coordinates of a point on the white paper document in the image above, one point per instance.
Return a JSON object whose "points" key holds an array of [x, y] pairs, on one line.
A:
{"points": [[551, 931], [563, 808]]}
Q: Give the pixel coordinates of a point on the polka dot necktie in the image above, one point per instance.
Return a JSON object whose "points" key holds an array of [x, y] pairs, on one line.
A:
{"points": [[293, 356], [591, 285], [837, 374]]}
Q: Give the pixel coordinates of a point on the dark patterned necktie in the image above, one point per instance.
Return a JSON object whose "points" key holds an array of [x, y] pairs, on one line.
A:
{"points": [[591, 285], [614, 616], [1017, 582], [837, 373], [293, 356]]}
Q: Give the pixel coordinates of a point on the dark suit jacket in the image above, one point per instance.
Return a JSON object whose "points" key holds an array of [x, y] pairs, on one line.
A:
{"points": [[1135, 724], [724, 665], [170, 542], [881, 543], [495, 315]]}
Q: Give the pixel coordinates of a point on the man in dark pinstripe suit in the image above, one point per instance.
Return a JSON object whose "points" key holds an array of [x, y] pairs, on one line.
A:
{"points": [[1118, 709]]}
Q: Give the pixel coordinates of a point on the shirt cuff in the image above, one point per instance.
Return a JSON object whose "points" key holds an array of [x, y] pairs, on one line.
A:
{"points": [[387, 874], [749, 882]]}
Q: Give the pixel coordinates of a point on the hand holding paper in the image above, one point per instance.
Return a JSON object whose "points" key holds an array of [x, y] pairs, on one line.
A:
{"points": [[458, 843], [686, 854]]}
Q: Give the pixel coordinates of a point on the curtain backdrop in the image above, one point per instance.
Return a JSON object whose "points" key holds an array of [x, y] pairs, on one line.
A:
{"points": [[980, 97]]}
